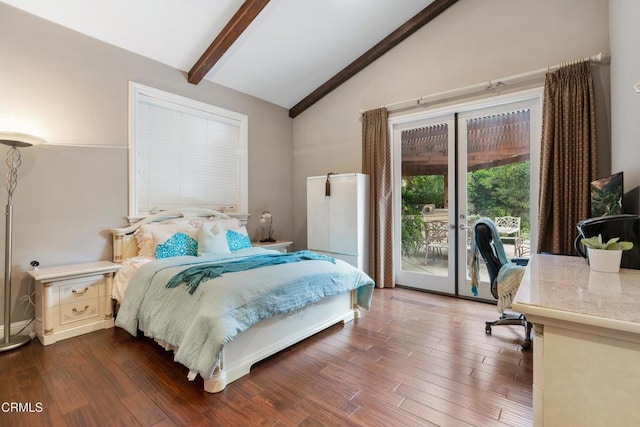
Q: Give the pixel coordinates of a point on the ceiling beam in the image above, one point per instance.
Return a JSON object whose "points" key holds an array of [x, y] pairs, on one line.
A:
{"points": [[229, 34], [393, 39]]}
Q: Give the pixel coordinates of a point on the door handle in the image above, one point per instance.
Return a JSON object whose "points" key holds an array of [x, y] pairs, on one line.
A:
{"points": [[465, 227]]}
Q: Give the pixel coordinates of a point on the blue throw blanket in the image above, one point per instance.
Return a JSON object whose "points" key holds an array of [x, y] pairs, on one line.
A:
{"points": [[192, 277]]}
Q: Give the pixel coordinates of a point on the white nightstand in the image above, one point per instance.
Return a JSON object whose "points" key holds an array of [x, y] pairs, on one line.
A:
{"points": [[278, 245], [73, 299]]}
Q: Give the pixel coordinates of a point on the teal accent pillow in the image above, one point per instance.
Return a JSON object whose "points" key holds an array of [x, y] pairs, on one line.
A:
{"points": [[177, 245], [237, 240]]}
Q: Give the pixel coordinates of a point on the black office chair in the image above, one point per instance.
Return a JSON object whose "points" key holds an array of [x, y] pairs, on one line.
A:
{"points": [[484, 239]]}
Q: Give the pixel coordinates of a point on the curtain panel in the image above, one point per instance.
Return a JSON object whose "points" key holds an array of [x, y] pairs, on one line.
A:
{"points": [[376, 162], [568, 158]]}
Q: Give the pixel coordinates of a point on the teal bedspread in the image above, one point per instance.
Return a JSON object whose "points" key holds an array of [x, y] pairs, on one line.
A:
{"points": [[200, 324], [193, 276]]}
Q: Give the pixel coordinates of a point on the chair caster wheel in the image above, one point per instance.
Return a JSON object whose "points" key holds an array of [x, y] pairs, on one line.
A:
{"points": [[487, 330]]}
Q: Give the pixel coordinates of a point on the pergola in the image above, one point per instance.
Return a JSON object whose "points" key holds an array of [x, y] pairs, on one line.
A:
{"points": [[492, 141]]}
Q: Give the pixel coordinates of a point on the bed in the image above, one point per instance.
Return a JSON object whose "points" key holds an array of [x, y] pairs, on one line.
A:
{"points": [[229, 305]]}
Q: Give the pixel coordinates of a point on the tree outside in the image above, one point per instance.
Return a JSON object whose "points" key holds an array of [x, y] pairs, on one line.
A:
{"points": [[500, 191], [418, 191], [491, 192]]}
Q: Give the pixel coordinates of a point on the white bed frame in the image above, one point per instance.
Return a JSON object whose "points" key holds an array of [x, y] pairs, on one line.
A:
{"points": [[264, 338]]}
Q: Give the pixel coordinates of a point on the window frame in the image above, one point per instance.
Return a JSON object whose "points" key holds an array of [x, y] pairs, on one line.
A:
{"points": [[138, 93]]}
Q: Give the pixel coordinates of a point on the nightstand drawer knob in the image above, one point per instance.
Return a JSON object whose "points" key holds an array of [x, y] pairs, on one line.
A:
{"points": [[78, 293], [76, 311]]}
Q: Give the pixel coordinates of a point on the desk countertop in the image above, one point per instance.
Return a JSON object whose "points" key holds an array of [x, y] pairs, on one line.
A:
{"points": [[563, 288]]}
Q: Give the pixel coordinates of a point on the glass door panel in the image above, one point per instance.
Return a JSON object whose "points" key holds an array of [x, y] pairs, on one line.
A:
{"points": [[424, 173], [494, 181]]}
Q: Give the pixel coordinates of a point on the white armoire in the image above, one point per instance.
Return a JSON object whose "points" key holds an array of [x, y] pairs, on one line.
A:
{"points": [[338, 217]]}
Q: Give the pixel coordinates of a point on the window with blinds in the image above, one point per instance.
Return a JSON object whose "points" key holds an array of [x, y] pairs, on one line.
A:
{"points": [[184, 153]]}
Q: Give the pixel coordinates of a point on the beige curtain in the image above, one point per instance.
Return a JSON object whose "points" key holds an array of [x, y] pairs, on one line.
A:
{"points": [[569, 157], [376, 162]]}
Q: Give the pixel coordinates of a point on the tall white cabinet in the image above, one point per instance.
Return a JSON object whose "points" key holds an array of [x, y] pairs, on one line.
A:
{"points": [[338, 217]]}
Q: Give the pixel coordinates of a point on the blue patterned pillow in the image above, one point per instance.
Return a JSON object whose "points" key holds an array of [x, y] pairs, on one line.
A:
{"points": [[237, 240], [177, 245]]}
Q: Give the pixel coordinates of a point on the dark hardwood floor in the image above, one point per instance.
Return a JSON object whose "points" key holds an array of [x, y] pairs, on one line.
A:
{"points": [[415, 359]]}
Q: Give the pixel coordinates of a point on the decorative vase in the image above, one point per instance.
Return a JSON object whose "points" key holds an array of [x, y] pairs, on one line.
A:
{"points": [[606, 261]]}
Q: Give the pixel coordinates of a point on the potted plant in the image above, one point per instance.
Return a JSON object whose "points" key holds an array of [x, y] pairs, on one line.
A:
{"points": [[605, 257]]}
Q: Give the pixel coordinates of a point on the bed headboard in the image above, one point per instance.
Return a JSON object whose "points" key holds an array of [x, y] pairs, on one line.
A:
{"points": [[124, 242]]}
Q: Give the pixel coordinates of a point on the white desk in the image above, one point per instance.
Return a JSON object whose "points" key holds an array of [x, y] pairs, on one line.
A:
{"points": [[586, 365]]}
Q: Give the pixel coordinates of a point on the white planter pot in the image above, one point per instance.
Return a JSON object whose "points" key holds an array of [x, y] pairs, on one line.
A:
{"points": [[606, 261]]}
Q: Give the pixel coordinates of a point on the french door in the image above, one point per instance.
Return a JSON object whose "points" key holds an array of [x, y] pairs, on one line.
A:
{"points": [[453, 166]]}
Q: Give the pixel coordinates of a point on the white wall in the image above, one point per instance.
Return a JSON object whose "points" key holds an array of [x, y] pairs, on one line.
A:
{"points": [[73, 91], [625, 103], [472, 42]]}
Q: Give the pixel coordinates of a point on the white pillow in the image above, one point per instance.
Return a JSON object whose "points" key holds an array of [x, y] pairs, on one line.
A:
{"points": [[212, 240], [144, 234]]}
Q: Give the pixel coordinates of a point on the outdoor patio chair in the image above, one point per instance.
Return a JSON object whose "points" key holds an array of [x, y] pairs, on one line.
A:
{"points": [[509, 227], [523, 245], [436, 235], [495, 259]]}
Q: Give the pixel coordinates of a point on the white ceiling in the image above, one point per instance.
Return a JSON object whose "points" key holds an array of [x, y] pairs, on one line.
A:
{"points": [[289, 50]]}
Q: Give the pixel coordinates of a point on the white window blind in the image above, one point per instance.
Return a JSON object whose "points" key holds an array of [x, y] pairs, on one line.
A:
{"points": [[184, 153]]}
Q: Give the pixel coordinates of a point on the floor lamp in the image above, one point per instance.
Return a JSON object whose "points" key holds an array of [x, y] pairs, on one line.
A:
{"points": [[13, 140]]}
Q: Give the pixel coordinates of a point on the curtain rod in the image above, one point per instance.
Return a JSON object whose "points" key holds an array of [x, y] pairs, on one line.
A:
{"points": [[599, 58]]}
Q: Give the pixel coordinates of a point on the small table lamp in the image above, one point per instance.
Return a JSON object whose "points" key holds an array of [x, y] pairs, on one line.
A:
{"points": [[13, 140], [267, 218]]}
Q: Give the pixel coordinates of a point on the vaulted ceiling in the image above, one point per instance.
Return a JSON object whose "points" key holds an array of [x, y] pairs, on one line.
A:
{"points": [[288, 52]]}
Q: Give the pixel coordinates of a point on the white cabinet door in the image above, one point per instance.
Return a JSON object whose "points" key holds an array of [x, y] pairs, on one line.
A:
{"points": [[343, 215], [333, 222], [317, 215], [338, 223]]}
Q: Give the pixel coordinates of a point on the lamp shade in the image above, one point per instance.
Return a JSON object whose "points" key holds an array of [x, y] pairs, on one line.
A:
{"points": [[265, 216], [17, 139]]}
